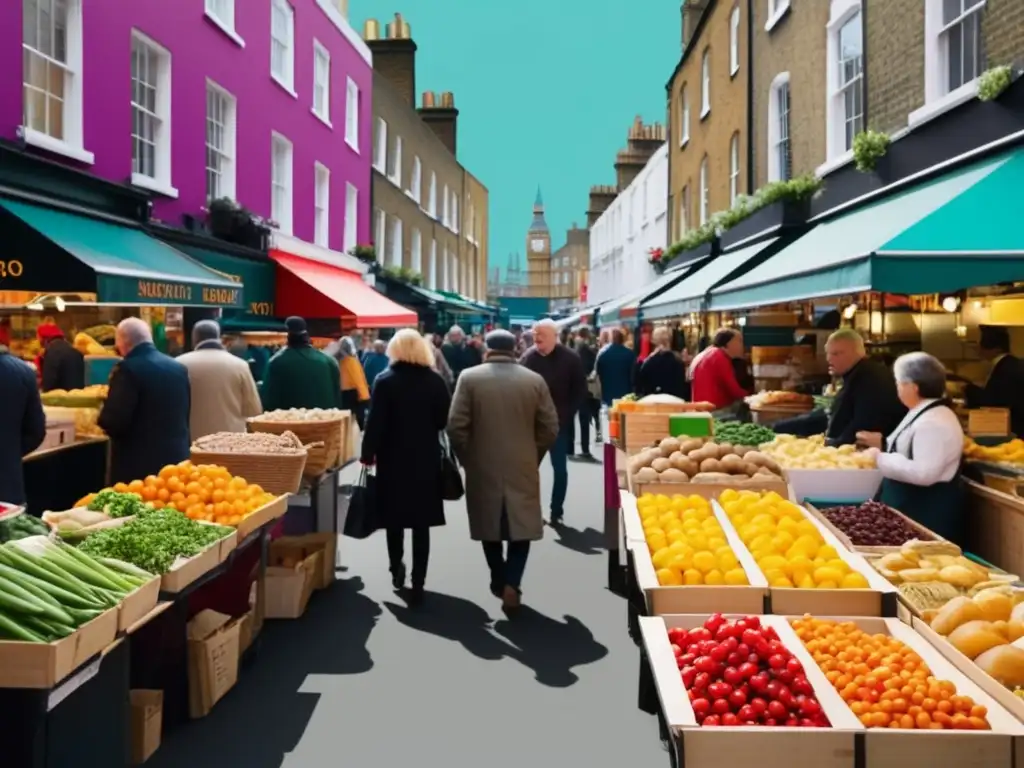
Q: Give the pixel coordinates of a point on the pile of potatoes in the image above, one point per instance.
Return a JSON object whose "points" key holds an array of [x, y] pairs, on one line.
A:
{"points": [[699, 460]]}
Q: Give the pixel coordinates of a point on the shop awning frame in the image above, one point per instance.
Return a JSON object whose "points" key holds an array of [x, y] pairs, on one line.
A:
{"points": [[628, 307]]}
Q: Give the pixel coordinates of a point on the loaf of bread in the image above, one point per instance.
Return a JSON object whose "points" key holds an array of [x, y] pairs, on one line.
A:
{"points": [[975, 637], [1005, 663], [955, 613]]}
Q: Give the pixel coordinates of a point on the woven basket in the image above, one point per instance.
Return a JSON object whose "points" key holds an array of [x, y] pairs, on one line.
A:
{"points": [[276, 473], [328, 432]]}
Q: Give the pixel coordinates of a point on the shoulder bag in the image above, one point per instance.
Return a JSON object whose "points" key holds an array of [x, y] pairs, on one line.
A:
{"points": [[452, 487]]}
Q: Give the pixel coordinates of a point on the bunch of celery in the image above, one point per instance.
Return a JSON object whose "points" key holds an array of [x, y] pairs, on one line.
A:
{"points": [[48, 589]]}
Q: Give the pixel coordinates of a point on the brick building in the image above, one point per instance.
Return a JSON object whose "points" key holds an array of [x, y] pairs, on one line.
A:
{"points": [[429, 212], [569, 265], [708, 113], [788, 88]]}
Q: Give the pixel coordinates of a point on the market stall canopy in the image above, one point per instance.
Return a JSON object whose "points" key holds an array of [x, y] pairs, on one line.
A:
{"points": [[628, 306], [257, 275], [957, 231], [690, 293], [119, 263], [457, 299], [313, 289]]}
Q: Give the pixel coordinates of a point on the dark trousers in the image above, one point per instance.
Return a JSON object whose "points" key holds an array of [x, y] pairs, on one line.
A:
{"points": [[506, 559], [589, 412], [350, 402], [559, 454], [420, 553]]}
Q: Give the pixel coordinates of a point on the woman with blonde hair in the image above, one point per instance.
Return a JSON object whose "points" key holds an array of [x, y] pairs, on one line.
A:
{"points": [[408, 412], [663, 372]]}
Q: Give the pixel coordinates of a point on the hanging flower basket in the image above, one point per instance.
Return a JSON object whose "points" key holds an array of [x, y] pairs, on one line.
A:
{"points": [[656, 258]]}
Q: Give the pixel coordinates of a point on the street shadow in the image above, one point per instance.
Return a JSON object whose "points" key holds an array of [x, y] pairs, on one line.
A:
{"points": [[264, 716], [455, 619], [550, 648], [589, 541]]}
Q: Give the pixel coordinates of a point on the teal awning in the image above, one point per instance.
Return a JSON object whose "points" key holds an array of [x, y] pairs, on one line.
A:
{"points": [[458, 299], [958, 231], [258, 276], [689, 295], [628, 306], [122, 264]]}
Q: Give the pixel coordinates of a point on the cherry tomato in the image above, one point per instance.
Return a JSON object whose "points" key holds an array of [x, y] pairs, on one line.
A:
{"points": [[705, 664], [720, 706], [772, 689], [730, 719], [689, 674], [719, 653], [688, 659], [701, 707], [732, 676], [776, 661], [760, 683], [701, 681], [750, 637], [738, 699], [709, 720], [759, 705], [752, 621], [777, 710], [747, 714], [714, 622], [794, 665], [719, 690], [809, 707], [748, 670], [801, 685]]}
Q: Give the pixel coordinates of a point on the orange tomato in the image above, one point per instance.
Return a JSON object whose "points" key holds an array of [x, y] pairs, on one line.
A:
{"points": [[168, 472], [151, 480], [121, 487]]}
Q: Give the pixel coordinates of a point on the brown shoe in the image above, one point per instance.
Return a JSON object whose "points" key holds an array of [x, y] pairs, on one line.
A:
{"points": [[510, 599]]}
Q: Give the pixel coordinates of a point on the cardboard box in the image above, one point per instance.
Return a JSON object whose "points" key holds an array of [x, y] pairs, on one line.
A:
{"points": [[630, 524], [754, 745], [138, 603], [309, 544], [213, 654], [265, 514], [695, 599], [245, 634], [180, 576], [709, 490], [925, 534], [147, 712], [290, 581], [43, 665]]}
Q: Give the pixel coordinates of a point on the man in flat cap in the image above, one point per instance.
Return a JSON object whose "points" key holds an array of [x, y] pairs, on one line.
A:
{"points": [[301, 376], [501, 424]]}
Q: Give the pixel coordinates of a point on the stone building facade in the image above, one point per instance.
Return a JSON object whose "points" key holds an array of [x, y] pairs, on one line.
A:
{"points": [[569, 265]]}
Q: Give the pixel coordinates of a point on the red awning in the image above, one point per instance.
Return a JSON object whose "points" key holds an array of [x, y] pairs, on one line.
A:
{"points": [[313, 289]]}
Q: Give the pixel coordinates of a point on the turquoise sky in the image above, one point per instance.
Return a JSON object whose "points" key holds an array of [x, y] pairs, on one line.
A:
{"points": [[546, 91]]}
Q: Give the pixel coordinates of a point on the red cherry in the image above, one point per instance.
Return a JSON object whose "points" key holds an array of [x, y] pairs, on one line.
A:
{"points": [[737, 699], [730, 719], [701, 707], [709, 720], [732, 676], [777, 710], [759, 705], [720, 706]]}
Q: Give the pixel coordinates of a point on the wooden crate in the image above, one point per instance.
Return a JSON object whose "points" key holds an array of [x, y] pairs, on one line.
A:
{"points": [[988, 422]]}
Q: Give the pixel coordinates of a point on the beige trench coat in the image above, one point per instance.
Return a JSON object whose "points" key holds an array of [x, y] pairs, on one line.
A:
{"points": [[501, 423], [224, 394]]}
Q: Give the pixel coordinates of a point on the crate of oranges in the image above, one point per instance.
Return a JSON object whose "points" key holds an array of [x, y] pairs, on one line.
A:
{"points": [[209, 493], [917, 707], [807, 568], [690, 560]]}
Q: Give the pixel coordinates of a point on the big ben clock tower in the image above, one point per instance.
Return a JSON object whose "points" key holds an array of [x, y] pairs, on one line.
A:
{"points": [[538, 253]]}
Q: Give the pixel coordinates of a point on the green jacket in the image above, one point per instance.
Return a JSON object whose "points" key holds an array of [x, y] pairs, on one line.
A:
{"points": [[301, 377]]}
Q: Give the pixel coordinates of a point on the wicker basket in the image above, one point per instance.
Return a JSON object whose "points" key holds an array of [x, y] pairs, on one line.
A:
{"points": [[320, 457], [276, 473]]}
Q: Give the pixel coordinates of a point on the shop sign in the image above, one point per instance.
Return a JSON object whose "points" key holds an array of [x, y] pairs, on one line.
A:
{"points": [[11, 268], [169, 292], [261, 308]]}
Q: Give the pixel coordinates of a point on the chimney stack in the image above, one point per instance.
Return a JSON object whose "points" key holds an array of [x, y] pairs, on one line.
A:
{"points": [[601, 196], [691, 11], [394, 55], [439, 113], [642, 142]]}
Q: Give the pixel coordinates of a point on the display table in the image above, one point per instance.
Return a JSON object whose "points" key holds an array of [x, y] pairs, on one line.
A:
{"points": [[56, 478], [612, 534], [314, 509], [996, 529]]}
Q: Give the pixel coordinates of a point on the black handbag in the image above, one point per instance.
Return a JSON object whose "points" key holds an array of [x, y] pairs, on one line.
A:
{"points": [[362, 519], [452, 487]]}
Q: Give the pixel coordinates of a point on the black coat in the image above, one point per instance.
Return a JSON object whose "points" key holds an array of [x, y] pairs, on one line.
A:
{"points": [[63, 366], [867, 403], [22, 424], [662, 373], [146, 414], [1004, 389], [408, 411]]}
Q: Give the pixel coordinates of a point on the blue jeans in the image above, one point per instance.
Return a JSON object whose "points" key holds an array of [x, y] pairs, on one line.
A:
{"points": [[559, 465]]}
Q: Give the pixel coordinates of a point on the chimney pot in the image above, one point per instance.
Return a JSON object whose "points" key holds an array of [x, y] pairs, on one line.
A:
{"points": [[448, 99], [371, 29], [428, 100]]}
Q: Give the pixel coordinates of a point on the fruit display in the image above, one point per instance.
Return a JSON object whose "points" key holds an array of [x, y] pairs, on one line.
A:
{"points": [[48, 589], [738, 673], [699, 460], [301, 414], [86, 419], [21, 527], [1010, 452], [873, 524], [687, 543], [786, 545], [811, 453], [884, 681], [987, 628], [286, 443], [738, 433]]}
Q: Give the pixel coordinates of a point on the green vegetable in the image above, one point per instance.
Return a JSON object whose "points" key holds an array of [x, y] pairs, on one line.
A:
{"points": [[48, 630], [12, 629], [21, 527], [16, 600], [41, 586], [737, 433], [116, 504], [127, 570]]}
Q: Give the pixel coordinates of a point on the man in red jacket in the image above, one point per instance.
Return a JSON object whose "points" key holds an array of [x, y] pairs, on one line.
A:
{"points": [[714, 379]]}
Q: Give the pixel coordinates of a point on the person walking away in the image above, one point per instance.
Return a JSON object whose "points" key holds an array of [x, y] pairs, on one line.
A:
{"points": [[440, 364], [712, 372], [615, 365], [374, 362], [1005, 385], [355, 393], [662, 372], [457, 353], [63, 365], [408, 412], [920, 459], [590, 409], [562, 369], [299, 375], [501, 424], [146, 414], [22, 423], [224, 393]]}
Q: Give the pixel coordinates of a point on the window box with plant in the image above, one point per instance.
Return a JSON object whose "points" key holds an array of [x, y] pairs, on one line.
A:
{"points": [[656, 258], [403, 275], [869, 147], [993, 82], [234, 223], [366, 253]]}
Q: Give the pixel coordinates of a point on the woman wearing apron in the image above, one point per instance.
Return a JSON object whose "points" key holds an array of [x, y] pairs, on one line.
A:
{"points": [[920, 460]]}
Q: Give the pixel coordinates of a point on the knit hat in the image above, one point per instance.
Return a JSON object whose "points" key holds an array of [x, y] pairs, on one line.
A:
{"points": [[49, 331], [298, 333], [500, 341]]}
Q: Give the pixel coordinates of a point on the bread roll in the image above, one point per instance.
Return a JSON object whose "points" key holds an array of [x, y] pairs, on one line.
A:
{"points": [[975, 637], [956, 612], [995, 605], [1004, 663]]}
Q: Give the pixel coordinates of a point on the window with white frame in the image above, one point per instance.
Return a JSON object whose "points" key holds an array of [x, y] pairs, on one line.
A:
{"points": [[444, 269], [684, 117], [416, 180], [444, 206], [432, 266], [281, 183], [321, 205], [704, 191], [432, 195], [351, 216], [220, 143], [379, 233], [684, 211], [775, 10], [851, 75], [961, 42], [282, 43], [780, 154], [734, 168], [455, 273], [416, 245], [455, 213], [151, 113], [52, 76], [223, 13], [734, 41], [321, 82], [705, 83], [352, 114], [395, 243], [380, 146], [395, 162]]}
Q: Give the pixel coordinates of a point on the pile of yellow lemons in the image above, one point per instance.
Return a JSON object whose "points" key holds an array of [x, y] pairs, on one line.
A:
{"points": [[687, 543], [787, 547]]}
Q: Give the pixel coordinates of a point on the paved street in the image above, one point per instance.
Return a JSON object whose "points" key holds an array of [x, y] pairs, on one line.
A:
{"points": [[362, 681]]}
